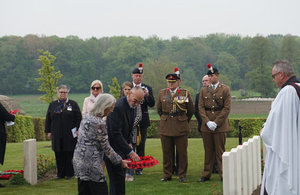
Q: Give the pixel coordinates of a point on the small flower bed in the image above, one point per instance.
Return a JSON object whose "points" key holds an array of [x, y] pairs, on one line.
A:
{"points": [[9, 173]]}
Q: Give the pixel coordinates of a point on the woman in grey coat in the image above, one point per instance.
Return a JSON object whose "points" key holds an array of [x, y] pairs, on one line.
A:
{"points": [[91, 146]]}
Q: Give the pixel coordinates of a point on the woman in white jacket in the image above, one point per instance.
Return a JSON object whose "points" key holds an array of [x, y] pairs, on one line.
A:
{"points": [[96, 89]]}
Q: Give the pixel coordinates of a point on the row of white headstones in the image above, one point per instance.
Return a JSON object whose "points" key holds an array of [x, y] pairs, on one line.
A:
{"points": [[242, 168]]}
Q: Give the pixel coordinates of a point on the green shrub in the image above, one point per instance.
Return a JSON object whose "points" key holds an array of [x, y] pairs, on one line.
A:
{"points": [[44, 164], [250, 127], [22, 129], [39, 128], [152, 130], [18, 180]]}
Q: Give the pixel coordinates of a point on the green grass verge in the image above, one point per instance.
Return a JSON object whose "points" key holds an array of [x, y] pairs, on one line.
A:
{"points": [[148, 183]]}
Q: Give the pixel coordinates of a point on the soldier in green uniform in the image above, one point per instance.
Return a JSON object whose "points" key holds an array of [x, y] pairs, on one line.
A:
{"points": [[175, 108], [214, 107]]}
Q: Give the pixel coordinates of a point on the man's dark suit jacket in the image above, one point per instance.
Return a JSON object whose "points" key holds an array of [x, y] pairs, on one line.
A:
{"points": [[197, 115], [119, 127]]}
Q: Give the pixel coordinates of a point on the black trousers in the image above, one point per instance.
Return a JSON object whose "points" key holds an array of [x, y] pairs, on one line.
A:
{"points": [[140, 149], [64, 164], [91, 188], [116, 176]]}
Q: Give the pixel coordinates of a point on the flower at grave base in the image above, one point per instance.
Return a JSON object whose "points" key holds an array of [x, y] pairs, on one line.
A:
{"points": [[9, 173]]}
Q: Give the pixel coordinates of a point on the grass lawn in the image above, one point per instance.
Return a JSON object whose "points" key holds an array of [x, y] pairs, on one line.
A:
{"points": [[148, 183]]}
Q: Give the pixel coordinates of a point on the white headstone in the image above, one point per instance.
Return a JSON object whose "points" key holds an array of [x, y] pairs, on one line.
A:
{"points": [[226, 172], [258, 149], [254, 162], [30, 164]]}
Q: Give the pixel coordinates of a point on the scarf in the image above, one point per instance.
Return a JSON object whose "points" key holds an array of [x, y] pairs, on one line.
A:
{"points": [[136, 134]]}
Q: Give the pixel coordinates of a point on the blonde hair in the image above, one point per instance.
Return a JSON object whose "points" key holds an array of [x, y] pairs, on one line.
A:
{"points": [[104, 101], [128, 84], [99, 82]]}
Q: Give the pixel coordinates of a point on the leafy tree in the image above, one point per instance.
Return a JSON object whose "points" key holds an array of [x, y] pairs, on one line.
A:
{"points": [[115, 89], [48, 77], [290, 51], [155, 72], [260, 65], [230, 68]]}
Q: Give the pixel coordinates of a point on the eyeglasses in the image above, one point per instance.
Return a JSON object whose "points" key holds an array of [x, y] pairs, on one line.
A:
{"points": [[135, 101], [96, 88], [62, 92], [204, 81], [273, 75]]}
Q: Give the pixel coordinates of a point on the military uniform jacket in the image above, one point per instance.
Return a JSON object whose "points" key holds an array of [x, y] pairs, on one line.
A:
{"points": [[175, 112], [214, 105]]}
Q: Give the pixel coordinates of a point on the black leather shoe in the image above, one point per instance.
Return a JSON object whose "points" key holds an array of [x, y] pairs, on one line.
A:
{"points": [[69, 177], [166, 179], [2, 186], [203, 179], [182, 179], [57, 177]]}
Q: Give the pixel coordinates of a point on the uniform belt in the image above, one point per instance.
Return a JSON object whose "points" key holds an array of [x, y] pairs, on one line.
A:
{"points": [[213, 109], [174, 114]]}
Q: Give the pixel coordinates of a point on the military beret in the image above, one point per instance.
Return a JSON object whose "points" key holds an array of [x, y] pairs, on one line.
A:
{"points": [[138, 70], [212, 70]]}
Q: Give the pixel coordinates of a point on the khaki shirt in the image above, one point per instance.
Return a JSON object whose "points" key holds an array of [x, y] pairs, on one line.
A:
{"points": [[175, 112], [215, 105]]}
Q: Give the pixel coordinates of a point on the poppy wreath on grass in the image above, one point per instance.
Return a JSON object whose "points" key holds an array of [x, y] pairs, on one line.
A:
{"points": [[9, 173], [145, 162]]}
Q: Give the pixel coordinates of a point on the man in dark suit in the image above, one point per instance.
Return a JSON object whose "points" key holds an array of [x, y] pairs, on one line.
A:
{"points": [[137, 77], [205, 83], [4, 117], [119, 127]]}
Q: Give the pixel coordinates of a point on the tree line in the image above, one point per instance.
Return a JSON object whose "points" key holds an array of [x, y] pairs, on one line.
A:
{"points": [[245, 63]]}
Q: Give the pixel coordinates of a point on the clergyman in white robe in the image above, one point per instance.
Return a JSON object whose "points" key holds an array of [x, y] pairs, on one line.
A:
{"points": [[281, 137]]}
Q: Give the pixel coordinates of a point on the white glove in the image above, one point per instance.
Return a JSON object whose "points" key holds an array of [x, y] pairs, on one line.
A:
{"points": [[211, 125]]}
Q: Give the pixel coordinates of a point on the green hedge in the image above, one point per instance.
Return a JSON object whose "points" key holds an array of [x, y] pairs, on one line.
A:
{"points": [[250, 127], [39, 129], [22, 129], [27, 127]]}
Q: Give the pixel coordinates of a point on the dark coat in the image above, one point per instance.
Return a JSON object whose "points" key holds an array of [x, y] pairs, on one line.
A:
{"points": [[4, 116], [197, 115], [148, 101], [60, 124], [119, 127]]}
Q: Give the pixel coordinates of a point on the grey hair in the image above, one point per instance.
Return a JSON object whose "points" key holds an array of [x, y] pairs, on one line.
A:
{"points": [[64, 87], [284, 66], [103, 102]]}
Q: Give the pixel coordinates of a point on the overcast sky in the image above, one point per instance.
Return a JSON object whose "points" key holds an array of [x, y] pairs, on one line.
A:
{"points": [[145, 18]]}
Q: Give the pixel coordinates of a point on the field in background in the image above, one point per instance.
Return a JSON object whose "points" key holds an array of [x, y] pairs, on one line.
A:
{"points": [[33, 106]]}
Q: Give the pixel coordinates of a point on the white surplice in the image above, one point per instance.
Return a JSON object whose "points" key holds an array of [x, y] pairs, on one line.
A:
{"points": [[281, 137]]}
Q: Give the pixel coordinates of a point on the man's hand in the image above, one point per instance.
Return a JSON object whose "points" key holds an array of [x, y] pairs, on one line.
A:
{"points": [[133, 156], [130, 145], [211, 125], [49, 135], [124, 163]]}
